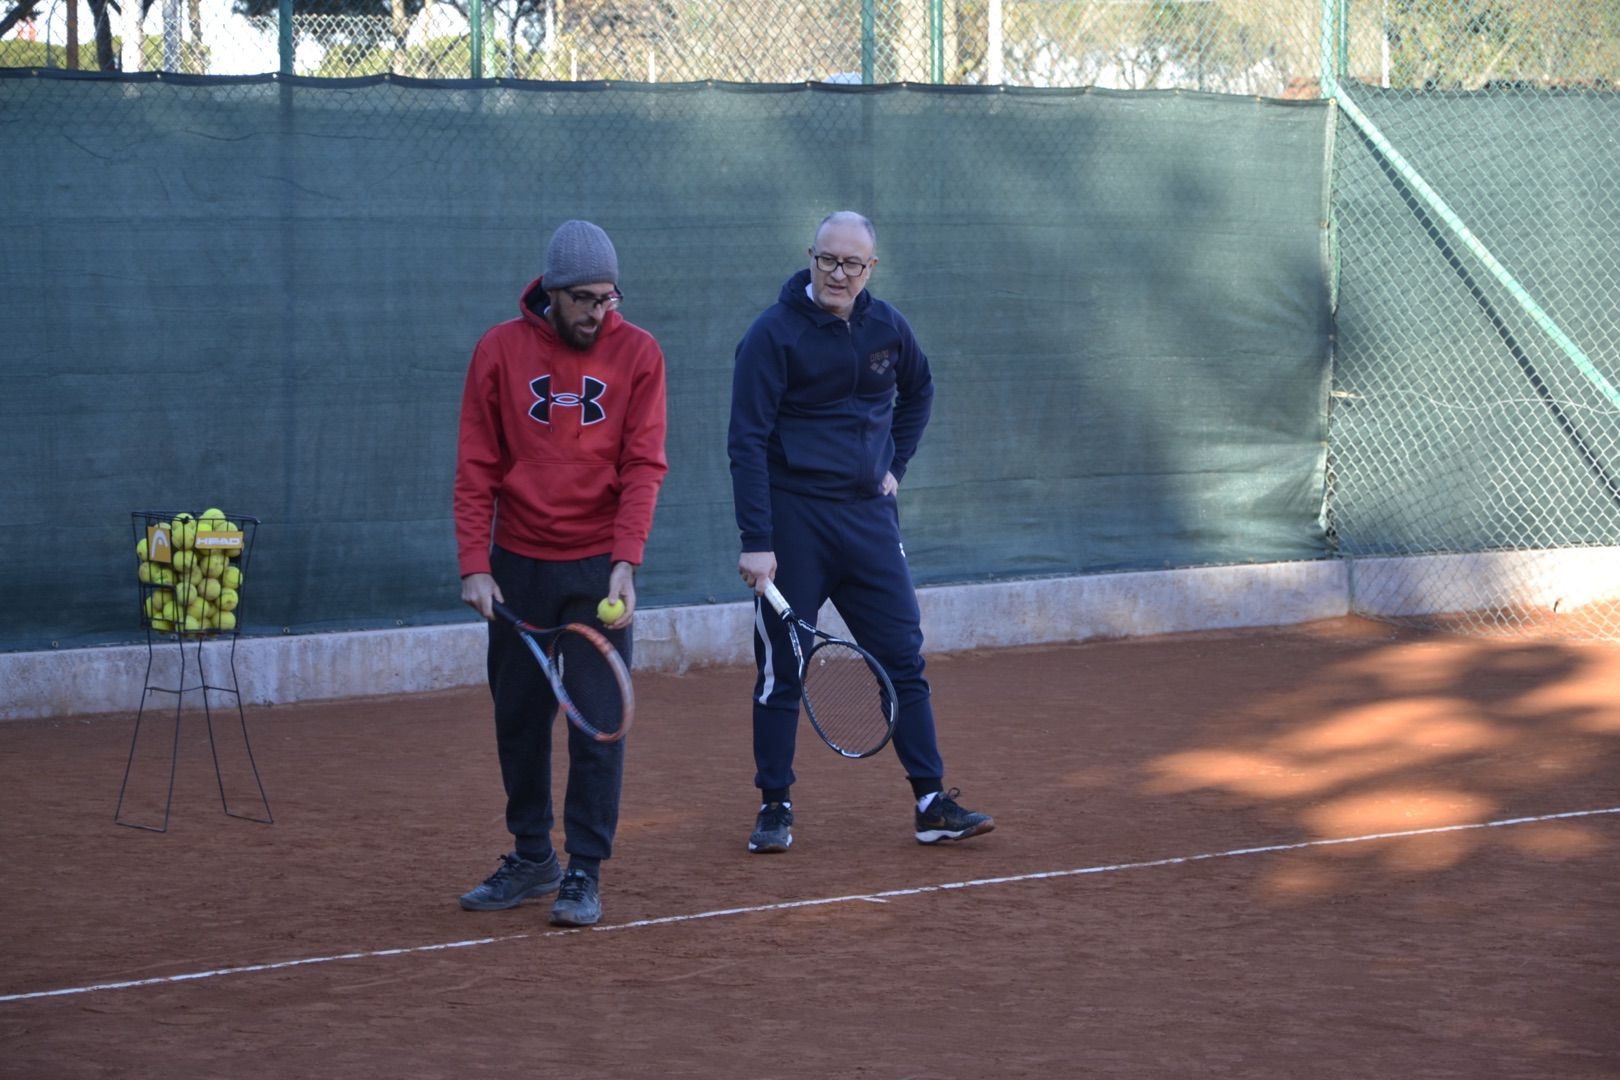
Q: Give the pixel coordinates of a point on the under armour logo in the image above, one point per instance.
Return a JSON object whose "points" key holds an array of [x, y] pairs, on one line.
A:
{"points": [[589, 411], [880, 362]]}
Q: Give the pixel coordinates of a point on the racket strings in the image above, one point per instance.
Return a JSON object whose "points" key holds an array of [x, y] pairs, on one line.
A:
{"points": [[593, 683], [848, 701]]}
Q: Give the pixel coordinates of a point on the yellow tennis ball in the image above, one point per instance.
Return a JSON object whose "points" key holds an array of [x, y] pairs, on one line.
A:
{"points": [[228, 599], [227, 621], [231, 578], [144, 573], [162, 624], [183, 532], [184, 560], [214, 564], [211, 520], [140, 549], [210, 589], [610, 613]]}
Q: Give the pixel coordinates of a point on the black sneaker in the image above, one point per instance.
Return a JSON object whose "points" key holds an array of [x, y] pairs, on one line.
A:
{"points": [[773, 829], [579, 902], [516, 881], [944, 820]]}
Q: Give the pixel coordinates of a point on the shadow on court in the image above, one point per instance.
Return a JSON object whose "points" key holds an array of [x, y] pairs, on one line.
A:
{"points": [[1181, 883]]}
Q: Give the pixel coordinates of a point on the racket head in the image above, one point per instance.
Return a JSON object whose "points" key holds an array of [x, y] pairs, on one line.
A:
{"points": [[592, 682], [849, 698]]}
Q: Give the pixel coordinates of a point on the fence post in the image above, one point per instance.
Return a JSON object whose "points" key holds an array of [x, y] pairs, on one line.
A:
{"points": [[1344, 42], [868, 40], [284, 34], [997, 73], [936, 41], [1329, 56], [475, 13]]}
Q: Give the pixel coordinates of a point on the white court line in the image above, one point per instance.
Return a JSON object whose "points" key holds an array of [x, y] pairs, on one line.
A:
{"points": [[877, 898]]}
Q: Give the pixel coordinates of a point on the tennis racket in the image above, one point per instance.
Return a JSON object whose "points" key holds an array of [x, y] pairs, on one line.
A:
{"points": [[586, 673], [846, 692]]}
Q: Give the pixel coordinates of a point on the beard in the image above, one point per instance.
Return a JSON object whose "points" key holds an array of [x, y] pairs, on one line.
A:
{"points": [[572, 335]]}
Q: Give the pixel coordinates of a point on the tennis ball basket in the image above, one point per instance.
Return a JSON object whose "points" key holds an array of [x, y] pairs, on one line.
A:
{"points": [[191, 569], [191, 574]]}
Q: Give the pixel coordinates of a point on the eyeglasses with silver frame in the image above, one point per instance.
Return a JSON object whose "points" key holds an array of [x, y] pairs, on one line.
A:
{"points": [[610, 302]]}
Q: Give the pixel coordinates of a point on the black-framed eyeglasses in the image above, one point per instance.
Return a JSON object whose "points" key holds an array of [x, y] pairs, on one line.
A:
{"points": [[853, 268], [610, 302]]}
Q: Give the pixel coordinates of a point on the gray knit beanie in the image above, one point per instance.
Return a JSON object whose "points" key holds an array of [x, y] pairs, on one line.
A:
{"points": [[580, 254]]}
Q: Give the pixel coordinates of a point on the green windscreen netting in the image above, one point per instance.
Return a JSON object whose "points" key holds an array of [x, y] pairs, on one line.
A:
{"points": [[262, 294], [1466, 437]]}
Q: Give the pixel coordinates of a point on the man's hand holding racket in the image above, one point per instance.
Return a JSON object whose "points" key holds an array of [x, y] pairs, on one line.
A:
{"points": [[479, 592], [757, 569]]}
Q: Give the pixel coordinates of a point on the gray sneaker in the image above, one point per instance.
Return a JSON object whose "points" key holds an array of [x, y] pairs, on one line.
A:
{"points": [[773, 829], [515, 881], [579, 901]]}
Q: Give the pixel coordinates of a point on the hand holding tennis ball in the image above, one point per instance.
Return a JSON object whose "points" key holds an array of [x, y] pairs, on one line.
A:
{"points": [[610, 613]]}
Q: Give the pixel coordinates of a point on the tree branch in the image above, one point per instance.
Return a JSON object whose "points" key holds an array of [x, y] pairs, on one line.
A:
{"points": [[25, 9]]}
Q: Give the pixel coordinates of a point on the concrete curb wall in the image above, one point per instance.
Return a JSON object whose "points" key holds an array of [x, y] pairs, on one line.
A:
{"points": [[306, 667]]}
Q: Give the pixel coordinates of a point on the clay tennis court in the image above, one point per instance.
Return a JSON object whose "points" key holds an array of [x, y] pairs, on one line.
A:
{"points": [[1192, 876]]}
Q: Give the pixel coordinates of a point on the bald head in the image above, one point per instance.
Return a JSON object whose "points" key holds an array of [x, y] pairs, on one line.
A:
{"points": [[848, 218], [841, 261]]}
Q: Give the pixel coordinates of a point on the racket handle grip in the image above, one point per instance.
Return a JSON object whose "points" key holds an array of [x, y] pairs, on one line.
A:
{"points": [[777, 600]]}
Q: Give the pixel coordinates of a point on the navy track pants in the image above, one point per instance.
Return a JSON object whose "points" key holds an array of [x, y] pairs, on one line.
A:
{"points": [[850, 553]]}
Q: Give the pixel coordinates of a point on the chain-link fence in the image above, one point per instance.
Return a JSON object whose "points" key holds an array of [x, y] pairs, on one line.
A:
{"points": [[1474, 421], [1262, 47], [1475, 435]]}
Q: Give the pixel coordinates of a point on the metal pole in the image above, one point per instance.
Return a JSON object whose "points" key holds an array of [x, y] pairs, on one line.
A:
{"points": [[936, 41], [284, 33], [475, 12], [868, 40], [997, 73], [1344, 41], [73, 35], [1384, 33], [130, 55], [1329, 85], [171, 35]]}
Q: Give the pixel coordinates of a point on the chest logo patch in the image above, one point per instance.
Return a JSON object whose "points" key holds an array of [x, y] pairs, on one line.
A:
{"points": [[881, 361], [585, 401]]}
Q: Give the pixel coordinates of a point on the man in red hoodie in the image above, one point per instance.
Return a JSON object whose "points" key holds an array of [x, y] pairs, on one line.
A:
{"points": [[560, 458]]}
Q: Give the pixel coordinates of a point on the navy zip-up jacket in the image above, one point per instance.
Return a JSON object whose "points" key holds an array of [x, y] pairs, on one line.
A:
{"points": [[822, 407]]}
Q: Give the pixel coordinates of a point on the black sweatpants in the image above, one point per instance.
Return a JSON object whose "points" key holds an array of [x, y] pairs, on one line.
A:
{"points": [[550, 594]]}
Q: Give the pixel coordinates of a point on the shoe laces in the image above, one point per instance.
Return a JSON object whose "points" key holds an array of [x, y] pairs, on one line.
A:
{"points": [[576, 884], [774, 816], [511, 866]]}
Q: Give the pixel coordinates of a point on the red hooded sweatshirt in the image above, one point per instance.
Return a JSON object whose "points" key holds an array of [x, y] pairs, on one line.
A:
{"points": [[561, 451]]}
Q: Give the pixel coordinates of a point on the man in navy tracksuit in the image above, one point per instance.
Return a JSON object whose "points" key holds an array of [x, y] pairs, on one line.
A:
{"points": [[830, 394]]}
